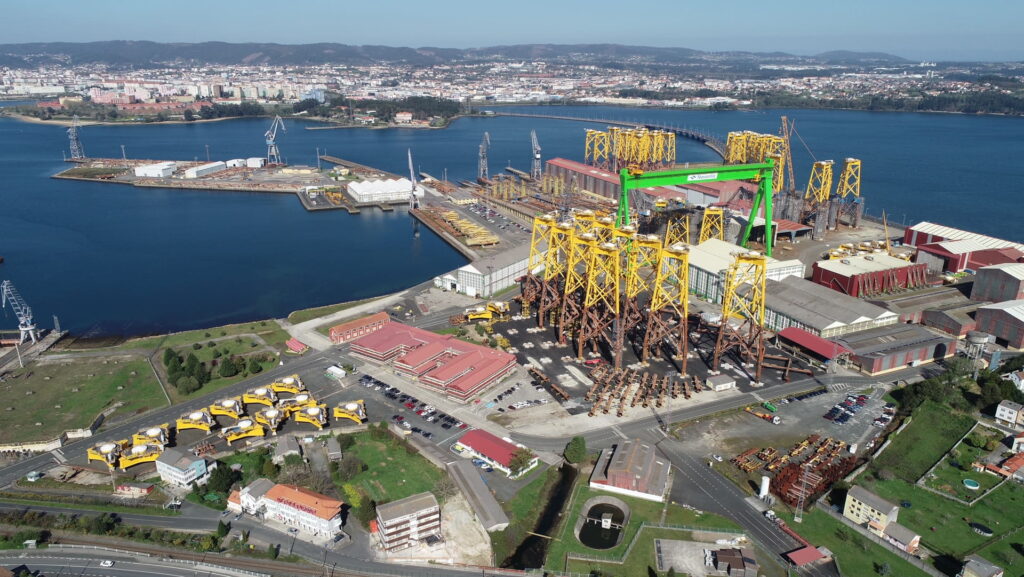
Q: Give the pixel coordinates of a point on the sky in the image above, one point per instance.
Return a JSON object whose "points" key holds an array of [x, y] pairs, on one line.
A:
{"points": [[914, 29]]}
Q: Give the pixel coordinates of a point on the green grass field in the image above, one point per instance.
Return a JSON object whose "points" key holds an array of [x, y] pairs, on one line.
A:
{"points": [[932, 433], [392, 473], [269, 330], [226, 348], [857, 555], [217, 384], [950, 479], [1007, 553], [953, 534], [54, 383], [640, 511]]}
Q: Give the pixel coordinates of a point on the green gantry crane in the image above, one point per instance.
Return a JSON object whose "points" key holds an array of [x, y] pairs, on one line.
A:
{"points": [[760, 172]]}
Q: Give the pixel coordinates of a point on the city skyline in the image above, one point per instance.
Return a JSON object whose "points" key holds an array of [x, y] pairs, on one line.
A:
{"points": [[944, 32]]}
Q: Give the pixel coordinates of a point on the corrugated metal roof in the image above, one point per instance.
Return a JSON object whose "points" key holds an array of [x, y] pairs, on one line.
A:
{"points": [[867, 263], [1014, 269], [961, 246], [950, 233], [1012, 308], [814, 343]]}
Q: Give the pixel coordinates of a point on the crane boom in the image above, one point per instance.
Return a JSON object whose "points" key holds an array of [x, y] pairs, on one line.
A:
{"points": [[273, 154], [9, 296], [412, 178], [482, 171], [536, 168]]}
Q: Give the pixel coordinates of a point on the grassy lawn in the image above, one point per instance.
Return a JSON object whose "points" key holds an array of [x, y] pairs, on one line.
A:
{"points": [[304, 315], [932, 433], [392, 473], [1008, 554], [91, 172], [640, 511], [250, 462], [953, 534], [56, 405], [269, 330], [949, 476], [523, 510], [857, 555], [226, 348]]}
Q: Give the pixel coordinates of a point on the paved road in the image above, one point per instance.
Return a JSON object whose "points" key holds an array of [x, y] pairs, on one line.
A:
{"points": [[87, 564]]}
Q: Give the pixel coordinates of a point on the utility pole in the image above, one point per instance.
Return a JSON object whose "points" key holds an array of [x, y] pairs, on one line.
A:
{"points": [[318, 159], [207, 153], [124, 157]]}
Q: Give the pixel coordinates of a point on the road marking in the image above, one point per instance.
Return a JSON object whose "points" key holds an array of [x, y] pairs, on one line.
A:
{"points": [[616, 430], [756, 396], [58, 456]]}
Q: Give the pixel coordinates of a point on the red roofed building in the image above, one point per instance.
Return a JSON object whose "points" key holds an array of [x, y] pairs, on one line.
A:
{"points": [[301, 508], [495, 451], [823, 348], [804, 556], [352, 330], [296, 346], [448, 365]]}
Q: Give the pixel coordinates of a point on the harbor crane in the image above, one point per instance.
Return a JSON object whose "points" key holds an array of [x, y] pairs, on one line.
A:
{"points": [[482, 172], [536, 169], [413, 203], [273, 154], [77, 152], [9, 296]]}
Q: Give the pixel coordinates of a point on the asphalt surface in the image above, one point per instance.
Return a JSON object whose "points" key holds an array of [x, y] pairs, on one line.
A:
{"points": [[87, 564]]}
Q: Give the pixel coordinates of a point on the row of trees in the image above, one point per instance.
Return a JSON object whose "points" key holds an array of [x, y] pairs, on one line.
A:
{"points": [[955, 388], [421, 107], [105, 524], [189, 374]]}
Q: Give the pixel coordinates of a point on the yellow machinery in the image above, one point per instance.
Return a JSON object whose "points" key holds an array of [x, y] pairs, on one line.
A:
{"points": [[493, 310], [270, 418], [749, 270], [108, 452], [242, 429], [296, 403], [292, 384], [316, 416], [231, 407], [260, 396], [712, 225], [139, 454], [353, 410], [200, 419], [157, 435], [819, 187], [478, 313]]}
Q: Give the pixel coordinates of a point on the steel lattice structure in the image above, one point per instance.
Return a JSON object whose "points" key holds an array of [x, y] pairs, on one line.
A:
{"points": [[712, 225], [678, 230], [743, 300], [819, 187], [669, 308]]}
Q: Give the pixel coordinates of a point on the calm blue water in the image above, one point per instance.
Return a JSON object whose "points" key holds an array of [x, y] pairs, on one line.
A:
{"points": [[112, 259]]}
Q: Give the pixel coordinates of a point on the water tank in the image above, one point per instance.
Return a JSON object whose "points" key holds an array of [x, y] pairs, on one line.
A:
{"points": [[313, 411], [977, 338], [765, 483], [154, 432], [271, 413]]}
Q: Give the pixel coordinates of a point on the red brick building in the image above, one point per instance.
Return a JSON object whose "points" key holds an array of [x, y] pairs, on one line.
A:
{"points": [[869, 275], [352, 330]]}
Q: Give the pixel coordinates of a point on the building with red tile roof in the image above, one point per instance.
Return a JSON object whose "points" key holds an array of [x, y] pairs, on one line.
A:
{"points": [[494, 450], [443, 363], [352, 330], [305, 510]]}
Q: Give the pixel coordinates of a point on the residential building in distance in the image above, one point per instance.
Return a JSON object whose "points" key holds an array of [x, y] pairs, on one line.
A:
{"points": [[493, 450], [406, 522], [975, 566], [305, 510], [1017, 378], [181, 469], [879, 517], [352, 330], [631, 468], [1010, 413]]}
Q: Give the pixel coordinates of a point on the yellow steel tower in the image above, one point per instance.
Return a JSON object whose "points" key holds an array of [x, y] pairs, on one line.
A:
{"points": [[736, 147], [669, 308], [555, 267], [849, 179], [596, 150], [712, 225], [640, 254], [575, 283], [820, 185], [539, 244], [601, 298], [678, 231], [743, 299]]}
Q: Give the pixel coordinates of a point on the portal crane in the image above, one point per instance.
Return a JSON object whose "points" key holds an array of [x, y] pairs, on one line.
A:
{"points": [[273, 154], [482, 172], [9, 295], [413, 203], [536, 169]]}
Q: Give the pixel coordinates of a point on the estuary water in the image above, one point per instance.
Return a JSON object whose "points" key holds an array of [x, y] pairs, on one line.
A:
{"points": [[116, 260]]}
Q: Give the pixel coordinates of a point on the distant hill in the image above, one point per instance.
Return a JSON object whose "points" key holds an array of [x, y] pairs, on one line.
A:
{"points": [[128, 53]]}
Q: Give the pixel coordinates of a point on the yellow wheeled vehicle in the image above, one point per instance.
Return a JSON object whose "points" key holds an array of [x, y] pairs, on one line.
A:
{"points": [[201, 419], [353, 410], [316, 416], [108, 452]]}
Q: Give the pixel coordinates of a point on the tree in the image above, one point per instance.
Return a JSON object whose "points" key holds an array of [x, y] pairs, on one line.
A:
{"points": [[222, 478], [445, 487], [273, 550], [883, 569], [269, 469], [348, 467], [521, 459], [168, 355], [189, 115], [222, 529], [254, 366], [227, 368], [576, 450]]}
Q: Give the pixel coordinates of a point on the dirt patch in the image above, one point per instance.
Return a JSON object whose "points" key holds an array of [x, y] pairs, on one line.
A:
{"points": [[465, 539]]}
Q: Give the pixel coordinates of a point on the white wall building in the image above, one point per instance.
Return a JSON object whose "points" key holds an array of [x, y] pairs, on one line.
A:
{"points": [[159, 170], [380, 191], [181, 469], [312, 513], [1010, 413], [204, 169], [710, 260], [487, 276]]}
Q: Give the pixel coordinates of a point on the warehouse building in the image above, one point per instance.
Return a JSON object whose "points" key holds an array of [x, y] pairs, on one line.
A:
{"points": [[797, 302], [205, 169], [957, 319], [710, 260], [869, 275], [910, 306], [885, 349], [1004, 321], [158, 170], [444, 363], [948, 255], [631, 468], [406, 522], [486, 508], [490, 275], [354, 329], [382, 191], [999, 283], [599, 181], [926, 233]]}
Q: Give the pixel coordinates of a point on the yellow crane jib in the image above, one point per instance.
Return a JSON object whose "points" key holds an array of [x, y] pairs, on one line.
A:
{"points": [[292, 385], [231, 407], [243, 429], [353, 410], [260, 396], [315, 415], [139, 454], [158, 435], [201, 420], [107, 452], [270, 418]]}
